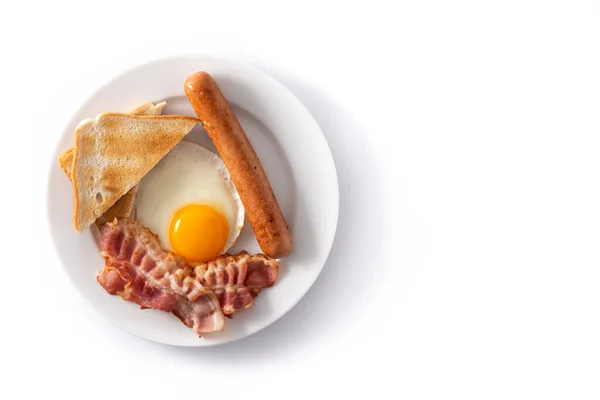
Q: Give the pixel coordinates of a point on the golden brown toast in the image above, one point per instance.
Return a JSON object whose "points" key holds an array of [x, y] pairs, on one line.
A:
{"points": [[112, 154], [66, 161], [66, 158], [123, 206]]}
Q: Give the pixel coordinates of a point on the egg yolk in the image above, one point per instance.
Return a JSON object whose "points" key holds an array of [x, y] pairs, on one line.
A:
{"points": [[198, 232]]}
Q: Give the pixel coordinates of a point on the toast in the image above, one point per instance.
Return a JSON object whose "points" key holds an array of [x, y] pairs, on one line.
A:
{"points": [[112, 154], [123, 206]]}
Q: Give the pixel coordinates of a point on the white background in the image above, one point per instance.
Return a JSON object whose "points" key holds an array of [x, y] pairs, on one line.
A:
{"points": [[466, 139]]}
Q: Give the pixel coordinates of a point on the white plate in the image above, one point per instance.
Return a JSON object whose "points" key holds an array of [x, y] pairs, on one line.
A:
{"points": [[296, 159]]}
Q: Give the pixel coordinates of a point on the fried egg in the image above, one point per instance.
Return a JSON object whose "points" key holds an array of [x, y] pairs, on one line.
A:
{"points": [[189, 201]]}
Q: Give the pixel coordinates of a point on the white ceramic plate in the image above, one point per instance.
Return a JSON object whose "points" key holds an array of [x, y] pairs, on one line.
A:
{"points": [[296, 159]]}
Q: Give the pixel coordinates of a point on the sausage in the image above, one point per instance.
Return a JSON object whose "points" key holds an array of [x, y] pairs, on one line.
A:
{"points": [[247, 173]]}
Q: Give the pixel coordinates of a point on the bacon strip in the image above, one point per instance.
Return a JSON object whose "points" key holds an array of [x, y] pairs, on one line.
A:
{"points": [[237, 279], [140, 270]]}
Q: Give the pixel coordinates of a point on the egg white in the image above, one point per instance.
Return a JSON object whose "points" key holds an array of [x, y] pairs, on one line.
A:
{"points": [[188, 174]]}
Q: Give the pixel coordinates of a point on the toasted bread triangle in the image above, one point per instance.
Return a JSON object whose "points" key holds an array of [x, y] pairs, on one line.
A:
{"points": [[123, 206], [112, 154]]}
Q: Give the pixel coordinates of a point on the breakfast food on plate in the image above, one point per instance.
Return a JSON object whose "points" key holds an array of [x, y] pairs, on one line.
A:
{"points": [[248, 175], [171, 254], [66, 158], [123, 206], [149, 109], [140, 270], [112, 154], [189, 201], [237, 279]]}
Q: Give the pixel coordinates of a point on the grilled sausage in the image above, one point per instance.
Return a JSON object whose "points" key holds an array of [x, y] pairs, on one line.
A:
{"points": [[243, 164]]}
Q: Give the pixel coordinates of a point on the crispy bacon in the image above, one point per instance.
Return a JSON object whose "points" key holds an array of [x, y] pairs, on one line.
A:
{"points": [[237, 279], [122, 279], [139, 270]]}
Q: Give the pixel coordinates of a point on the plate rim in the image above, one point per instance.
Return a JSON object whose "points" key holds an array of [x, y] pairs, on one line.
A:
{"points": [[182, 59]]}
